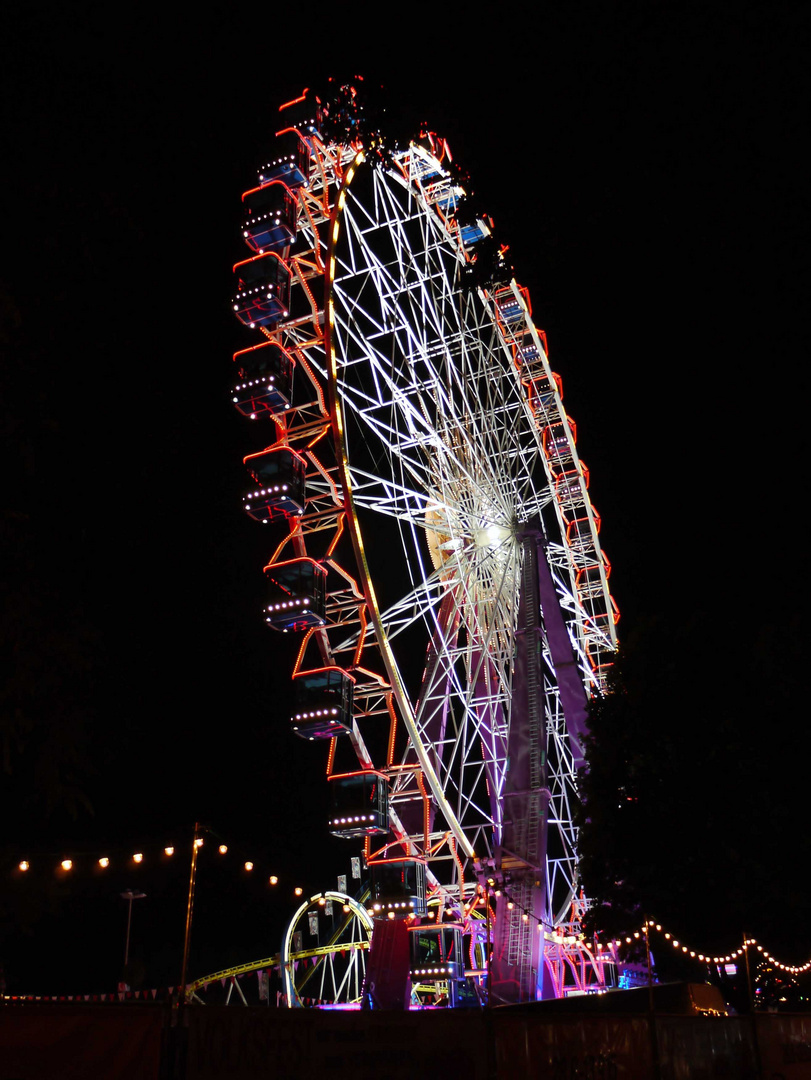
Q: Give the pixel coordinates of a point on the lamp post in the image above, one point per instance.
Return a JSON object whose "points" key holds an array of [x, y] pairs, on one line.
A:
{"points": [[198, 840], [130, 895]]}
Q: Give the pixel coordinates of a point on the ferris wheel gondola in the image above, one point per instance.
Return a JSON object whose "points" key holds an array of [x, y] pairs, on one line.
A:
{"points": [[441, 508]]}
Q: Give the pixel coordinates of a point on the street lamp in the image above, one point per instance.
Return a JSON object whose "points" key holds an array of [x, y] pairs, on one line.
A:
{"points": [[130, 895]]}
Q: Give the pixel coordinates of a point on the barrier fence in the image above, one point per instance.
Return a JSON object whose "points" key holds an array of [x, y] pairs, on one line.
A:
{"points": [[154, 1042]]}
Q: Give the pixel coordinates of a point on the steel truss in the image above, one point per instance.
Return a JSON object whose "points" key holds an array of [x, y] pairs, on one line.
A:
{"points": [[468, 592]]}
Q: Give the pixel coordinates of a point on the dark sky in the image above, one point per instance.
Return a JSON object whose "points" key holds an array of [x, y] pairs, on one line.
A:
{"points": [[643, 162]]}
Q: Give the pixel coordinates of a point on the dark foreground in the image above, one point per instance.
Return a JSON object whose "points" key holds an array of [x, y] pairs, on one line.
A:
{"points": [[150, 1042]]}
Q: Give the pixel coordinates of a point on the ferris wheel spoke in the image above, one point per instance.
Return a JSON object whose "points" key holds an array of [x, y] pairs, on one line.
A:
{"points": [[475, 426]]}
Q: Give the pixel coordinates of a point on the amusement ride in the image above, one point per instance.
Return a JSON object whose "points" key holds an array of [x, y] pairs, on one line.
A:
{"points": [[433, 546]]}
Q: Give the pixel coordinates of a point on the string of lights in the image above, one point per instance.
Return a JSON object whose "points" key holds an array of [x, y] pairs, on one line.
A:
{"points": [[118, 857], [708, 959], [557, 935], [554, 934], [106, 858]]}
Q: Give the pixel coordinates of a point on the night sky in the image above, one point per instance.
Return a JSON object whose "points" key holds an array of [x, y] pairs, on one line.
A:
{"points": [[644, 164]]}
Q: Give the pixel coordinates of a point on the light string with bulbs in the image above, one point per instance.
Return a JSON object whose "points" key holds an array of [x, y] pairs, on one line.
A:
{"points": [[556, 935], [105, 858], [117, 857], [793, 969]]}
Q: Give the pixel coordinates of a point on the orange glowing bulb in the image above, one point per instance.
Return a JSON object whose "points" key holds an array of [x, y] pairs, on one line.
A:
{"points": [[222, 849], [138, 857], [249, 866], [67, 864], [25, 865], [104, 862]]}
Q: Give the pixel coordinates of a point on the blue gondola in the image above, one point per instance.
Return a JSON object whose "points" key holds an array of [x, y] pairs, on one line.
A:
{"points": [[436, 952], [360, 804], [270, 223], [265, 380], [323, 706], [471, 233], [297, 595], [510, 307], [291, 164], [279, 484], [398, 888], [263, 290]]}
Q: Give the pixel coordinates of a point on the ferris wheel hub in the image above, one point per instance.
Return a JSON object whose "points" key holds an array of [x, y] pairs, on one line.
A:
{"points": [[491, 535]]}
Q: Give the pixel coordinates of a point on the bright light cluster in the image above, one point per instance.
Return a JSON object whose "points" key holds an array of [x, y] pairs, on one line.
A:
{"points": [[256, 218], [397, 904], [316, 712], [286, 604], [254, 382], [288, 159], [265, 491], [243, 293], [563, 939], [352, 820], [104, 862]]}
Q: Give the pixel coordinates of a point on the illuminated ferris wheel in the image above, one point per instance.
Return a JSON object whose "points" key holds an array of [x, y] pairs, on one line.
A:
{"points": [[434, 545]]}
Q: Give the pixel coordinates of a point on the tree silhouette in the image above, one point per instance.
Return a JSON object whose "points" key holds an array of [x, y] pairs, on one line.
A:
{"points": [[694, 796]]}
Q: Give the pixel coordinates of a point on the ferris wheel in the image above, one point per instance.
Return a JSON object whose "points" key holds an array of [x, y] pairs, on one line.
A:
{"points": [[324, 950], [435, 545]]}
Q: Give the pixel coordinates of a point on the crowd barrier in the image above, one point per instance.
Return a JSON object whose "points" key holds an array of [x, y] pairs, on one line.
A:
{"points": [[153, 1042]]}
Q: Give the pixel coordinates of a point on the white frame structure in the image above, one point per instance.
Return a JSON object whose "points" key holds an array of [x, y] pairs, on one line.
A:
{"points": [[425, 399]]}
